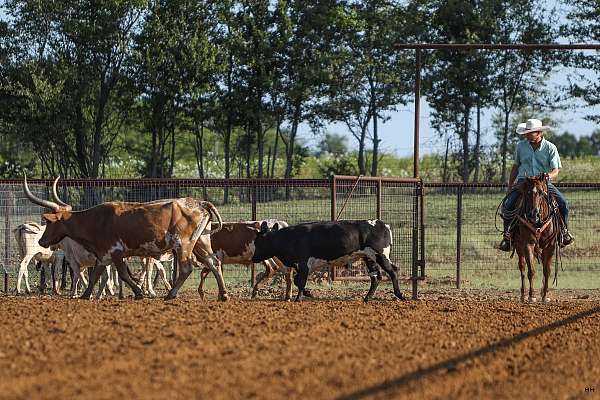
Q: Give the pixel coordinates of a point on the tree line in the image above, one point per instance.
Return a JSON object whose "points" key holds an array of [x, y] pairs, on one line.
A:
{"points": [[83, 84]]}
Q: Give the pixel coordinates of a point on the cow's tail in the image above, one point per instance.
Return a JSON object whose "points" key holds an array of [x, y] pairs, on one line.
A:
{"points": [[214, 215]]}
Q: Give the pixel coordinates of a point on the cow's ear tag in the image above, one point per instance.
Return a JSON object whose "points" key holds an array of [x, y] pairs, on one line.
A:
{"points": [[264, 227]]}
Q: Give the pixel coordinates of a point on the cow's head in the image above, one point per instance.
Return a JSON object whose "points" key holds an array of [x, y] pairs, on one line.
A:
{"points": [[264, 246], [55, 221]]}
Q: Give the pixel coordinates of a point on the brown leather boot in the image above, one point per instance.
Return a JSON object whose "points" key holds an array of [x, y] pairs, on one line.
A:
{"points": [[567, 238], [505, 243]]}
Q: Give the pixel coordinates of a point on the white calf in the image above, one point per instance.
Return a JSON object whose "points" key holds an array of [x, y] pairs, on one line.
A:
{"points": [[80, 259], [149, 263], [27, 236]]}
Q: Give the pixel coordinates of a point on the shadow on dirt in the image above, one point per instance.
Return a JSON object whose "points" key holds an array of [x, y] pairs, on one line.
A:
{"points": [[453, 362]]}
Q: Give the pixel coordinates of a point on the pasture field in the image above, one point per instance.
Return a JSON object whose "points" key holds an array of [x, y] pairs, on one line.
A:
{"points": [[451, 344]]}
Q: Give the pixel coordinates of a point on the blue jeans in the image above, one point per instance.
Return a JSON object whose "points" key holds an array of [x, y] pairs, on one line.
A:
{"points": [[513, 196]]}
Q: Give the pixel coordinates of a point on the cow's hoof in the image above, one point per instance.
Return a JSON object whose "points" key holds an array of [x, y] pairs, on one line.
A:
{"points": [[169, 297], [532, 299], [85, 297], [201, 294], [546, 300], [308, 294], [224, 297], [138, 296], [366, 299]]}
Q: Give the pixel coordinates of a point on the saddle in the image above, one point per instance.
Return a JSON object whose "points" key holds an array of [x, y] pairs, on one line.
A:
{"points": [[514, 226]]}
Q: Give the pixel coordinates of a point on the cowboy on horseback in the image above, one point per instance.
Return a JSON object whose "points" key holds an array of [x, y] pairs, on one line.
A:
{"points": [[534, 156]]}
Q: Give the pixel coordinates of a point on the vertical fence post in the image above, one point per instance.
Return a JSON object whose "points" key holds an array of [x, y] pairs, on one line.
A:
{"points": [[422, 230], [333, 198], [379, 190], [253, 199], [332, 270], [458, 233], [9, 210], [415, 243]]}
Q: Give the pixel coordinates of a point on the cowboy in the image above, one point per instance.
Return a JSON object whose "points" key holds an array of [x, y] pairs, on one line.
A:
{"points": [[534, 156]]}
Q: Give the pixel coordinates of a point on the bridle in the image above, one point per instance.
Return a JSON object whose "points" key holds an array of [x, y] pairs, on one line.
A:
{"points": [[536, 204]]}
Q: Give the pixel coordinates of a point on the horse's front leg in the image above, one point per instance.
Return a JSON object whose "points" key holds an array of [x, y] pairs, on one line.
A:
{"points": [[547, 265], [530, 270], [522, 270]]}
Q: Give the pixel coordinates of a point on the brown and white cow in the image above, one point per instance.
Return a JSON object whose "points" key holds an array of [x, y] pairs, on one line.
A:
{"points": [[115, 230], [234, 244]]}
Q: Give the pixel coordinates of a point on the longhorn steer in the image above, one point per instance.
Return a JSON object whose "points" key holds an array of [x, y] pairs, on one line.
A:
{"points": [[27, 236], [234, 244], [311, 244], [114, 230]]}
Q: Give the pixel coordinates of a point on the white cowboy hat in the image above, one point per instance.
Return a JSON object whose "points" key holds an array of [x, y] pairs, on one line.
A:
{"points": [[532, 125]]}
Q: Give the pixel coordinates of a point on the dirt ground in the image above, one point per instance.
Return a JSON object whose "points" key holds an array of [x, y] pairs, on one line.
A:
{"points": [[450, 344]]}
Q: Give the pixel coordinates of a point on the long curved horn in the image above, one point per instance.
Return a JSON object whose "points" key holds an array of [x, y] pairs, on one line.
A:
{"points": [[55, 196], [44, 203]]}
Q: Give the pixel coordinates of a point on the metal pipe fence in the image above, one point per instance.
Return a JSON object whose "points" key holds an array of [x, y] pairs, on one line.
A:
{"points": [[461, 233]]}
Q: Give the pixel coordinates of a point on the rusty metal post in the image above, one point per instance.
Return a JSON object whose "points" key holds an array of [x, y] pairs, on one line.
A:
{"points": [[9, 211], [415, 244], [422, 230], [458, 233], [333, 198], [379, 194], [253, 218], [417, 112]]}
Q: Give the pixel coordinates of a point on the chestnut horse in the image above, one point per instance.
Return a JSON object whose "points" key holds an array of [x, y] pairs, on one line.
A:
{"points": [[537, 232]]}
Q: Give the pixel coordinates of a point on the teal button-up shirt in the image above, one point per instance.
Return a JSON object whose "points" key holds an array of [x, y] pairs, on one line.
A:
{"points": [[534, 162]]}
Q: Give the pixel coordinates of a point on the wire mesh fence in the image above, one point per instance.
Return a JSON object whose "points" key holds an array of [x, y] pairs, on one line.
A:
{"points": [[293, 201], [462, 231]]}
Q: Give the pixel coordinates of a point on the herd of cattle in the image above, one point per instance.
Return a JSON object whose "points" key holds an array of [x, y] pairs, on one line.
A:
{"points": [[191, 233]]}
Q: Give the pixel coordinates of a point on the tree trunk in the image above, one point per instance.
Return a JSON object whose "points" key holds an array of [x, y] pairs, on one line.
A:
{"points": [[477, 143], [376, 140], [504, 148], [362, 168], [277, 132], [292, 140], [445, 170], [465, 145], [199, 148]]}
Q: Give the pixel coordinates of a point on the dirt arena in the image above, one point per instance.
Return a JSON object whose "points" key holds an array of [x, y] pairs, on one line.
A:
{"points": [[450, 344]]}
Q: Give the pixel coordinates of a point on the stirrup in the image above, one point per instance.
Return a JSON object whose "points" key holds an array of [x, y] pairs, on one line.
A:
{"points": [[567, 238], [505, 245]]}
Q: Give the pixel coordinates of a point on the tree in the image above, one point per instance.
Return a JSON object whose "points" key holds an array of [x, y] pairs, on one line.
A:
{"points": [[70, 87], [332, 143], [451, 92], [583, 26], [369, 75], [517, 75]]}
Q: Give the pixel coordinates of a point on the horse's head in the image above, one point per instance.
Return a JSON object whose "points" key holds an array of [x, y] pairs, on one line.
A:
{"points": [[534, 191]]}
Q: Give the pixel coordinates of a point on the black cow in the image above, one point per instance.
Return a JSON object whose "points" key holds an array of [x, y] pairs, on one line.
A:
{"points": [[310, 244]]}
